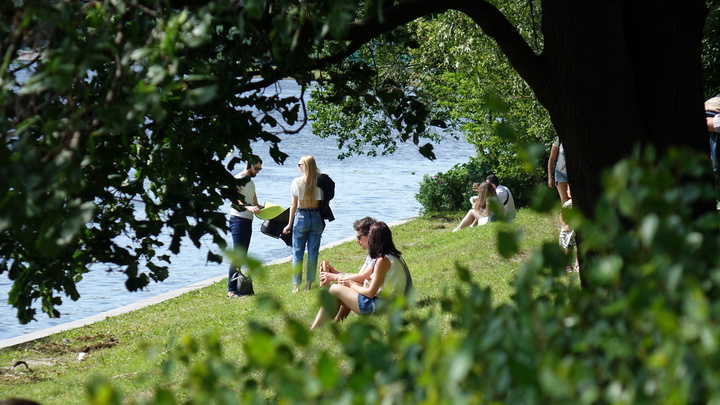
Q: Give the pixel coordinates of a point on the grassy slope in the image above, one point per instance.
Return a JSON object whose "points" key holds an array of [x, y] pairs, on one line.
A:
{"points": [[127, 349]]}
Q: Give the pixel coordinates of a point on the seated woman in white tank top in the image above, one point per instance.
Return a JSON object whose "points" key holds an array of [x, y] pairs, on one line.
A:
{"points": [[387, 281]]}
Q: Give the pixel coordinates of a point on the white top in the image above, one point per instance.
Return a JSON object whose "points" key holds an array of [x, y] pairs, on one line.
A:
{"points": [[248, 193], [369, 261], [560, 165], [300, 193], [395, 279], [507, 200], [716, 122]]}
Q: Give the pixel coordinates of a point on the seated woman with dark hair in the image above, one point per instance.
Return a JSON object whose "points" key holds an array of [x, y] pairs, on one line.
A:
{"points": [[387, 280]]}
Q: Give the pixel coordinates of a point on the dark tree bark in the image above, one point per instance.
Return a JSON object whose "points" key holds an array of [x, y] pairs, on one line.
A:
{"points": [[622, 74]]}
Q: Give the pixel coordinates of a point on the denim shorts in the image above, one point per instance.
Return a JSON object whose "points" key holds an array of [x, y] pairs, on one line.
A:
{"points": [[366, 305], [560, 177]]}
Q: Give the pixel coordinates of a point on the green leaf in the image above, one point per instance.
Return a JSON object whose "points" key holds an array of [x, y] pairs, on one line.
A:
{"points": [[327, 371], [199, 96], [298, 332], [508, 243]]}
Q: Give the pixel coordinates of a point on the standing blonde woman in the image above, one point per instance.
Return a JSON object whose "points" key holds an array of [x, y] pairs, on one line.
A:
{"points": [[305, 221], [481, 213]]}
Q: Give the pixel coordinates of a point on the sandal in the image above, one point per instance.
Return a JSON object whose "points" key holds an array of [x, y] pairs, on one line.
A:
{"points": [[232, 294]]}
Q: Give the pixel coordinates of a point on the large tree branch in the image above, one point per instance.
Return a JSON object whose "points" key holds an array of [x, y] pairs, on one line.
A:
{"points": [[526, 62], [490, 19]]}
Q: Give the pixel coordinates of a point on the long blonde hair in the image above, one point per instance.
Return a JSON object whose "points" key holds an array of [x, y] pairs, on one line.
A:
{"points": [[485, 191], [309, 181]]}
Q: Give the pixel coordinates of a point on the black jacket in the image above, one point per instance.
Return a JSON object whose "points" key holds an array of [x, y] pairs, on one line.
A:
{"points": [[327, 185]]}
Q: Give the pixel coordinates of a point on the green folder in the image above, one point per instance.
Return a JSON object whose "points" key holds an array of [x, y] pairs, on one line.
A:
{"points": [[269, 211]]}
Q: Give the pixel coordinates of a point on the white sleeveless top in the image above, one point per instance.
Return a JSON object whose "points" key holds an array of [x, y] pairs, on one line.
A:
{"points": [[395, 279]]}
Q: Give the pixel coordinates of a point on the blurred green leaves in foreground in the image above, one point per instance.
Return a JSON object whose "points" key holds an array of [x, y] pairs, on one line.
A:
{"points": [[646, 331]]}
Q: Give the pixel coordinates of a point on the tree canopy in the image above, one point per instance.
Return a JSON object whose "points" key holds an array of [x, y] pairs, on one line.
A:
{"points": [[131, 106]]}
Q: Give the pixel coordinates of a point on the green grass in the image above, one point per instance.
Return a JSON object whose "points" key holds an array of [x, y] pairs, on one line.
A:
{"points": [[128, 350]]}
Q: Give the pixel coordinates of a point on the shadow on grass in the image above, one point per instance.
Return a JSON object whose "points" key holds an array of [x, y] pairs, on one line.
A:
{"points": [[427, 301]]}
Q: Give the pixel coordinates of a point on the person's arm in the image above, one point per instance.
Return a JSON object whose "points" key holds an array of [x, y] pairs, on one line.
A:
{"points": [[329, 275], [333, 275], [476, 202], [254, 208], [293, 209], [382, 266], [551, 166], [362, 275]]}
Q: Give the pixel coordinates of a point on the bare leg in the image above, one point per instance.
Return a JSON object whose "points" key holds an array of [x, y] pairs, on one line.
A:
{"points": [[318, 319], [347, 298], [342, 313], [469, 219], [562, 189]]}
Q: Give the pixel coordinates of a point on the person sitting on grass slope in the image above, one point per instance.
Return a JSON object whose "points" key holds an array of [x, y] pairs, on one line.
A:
{"points": [[481, 212], [387, 280], [329, 274]]}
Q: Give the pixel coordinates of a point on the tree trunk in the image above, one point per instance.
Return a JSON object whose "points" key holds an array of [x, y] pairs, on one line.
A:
{"points": [[618, 77]]}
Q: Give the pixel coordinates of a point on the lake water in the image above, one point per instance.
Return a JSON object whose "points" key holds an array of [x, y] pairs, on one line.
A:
{"points": [[383, 187]]}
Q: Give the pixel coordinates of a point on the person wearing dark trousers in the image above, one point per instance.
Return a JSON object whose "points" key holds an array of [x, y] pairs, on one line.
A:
{"points": [[240, 284]]}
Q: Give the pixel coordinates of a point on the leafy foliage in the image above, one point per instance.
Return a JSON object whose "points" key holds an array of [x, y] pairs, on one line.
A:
{"points": [[644, 333], [451, 191], [370, 102], [481, 95], [446, 71], [118, 135], [711, 50]]}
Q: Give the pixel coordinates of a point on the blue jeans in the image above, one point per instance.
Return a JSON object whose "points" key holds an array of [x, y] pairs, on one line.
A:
{"points": [[366, 305], [241, 230], [307, 231]]}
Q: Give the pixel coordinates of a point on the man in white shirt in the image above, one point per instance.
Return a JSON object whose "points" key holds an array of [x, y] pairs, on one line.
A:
{"points": [[505, 197], [240, 284]]}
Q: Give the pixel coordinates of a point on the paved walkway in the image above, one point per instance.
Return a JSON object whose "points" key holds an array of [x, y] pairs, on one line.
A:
{"points": [[146, 302]]}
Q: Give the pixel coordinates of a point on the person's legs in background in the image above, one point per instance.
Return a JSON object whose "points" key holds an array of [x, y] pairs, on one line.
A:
{"points": [[561, 183], [241, 231], [301, 228], [317, 226]]}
